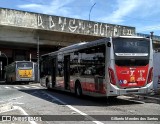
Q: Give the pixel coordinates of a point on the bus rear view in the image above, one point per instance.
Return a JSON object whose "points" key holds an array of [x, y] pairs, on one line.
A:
{"points": [[20, 71], [131, 66]]}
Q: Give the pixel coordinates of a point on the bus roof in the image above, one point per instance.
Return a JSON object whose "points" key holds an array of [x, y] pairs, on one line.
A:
{"points": [[72, 46], [23, 61], [134, 36], [15, 62], [83, 45], [77, 46]]}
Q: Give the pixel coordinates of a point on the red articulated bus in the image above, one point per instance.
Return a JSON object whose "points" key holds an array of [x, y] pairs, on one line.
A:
{"points": [[106, 67]]}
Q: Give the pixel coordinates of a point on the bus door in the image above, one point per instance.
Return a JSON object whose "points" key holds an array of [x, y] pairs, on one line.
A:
{"points": [[53, 71], [98, 82], [66, 71]]}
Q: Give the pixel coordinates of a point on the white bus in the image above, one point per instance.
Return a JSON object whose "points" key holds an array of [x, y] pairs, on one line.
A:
{"points": [[106, 67], [20, 71]]}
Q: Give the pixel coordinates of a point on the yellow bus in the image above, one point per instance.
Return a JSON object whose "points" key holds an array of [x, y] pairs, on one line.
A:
{"points": [[20, 71]]}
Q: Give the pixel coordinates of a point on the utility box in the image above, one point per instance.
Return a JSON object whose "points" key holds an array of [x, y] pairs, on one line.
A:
{"points": [[156, 71], [36, 72]]}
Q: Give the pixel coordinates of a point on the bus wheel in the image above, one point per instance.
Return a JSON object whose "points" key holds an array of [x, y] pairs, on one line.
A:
{"points": [[27, 83], [78, 90], [11, 81], [112, 97], [48, 87], [6, 81], [47, 84]]}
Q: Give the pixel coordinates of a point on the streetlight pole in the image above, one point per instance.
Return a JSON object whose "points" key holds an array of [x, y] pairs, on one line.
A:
{"points": [[151, 35], [38, 58], [91, 10]]}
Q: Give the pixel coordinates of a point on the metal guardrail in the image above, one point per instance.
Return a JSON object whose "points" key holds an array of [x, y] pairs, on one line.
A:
{"points": [[155, 37]]}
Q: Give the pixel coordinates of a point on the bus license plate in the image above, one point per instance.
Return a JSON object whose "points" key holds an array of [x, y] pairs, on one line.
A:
{"points": [[25, 73]]}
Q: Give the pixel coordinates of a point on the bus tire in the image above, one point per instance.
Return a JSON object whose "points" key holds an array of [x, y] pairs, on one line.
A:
{"points": [[11, 81], [78, 89], [47, 84], [6, 80], [112, 97], [27, 83]]}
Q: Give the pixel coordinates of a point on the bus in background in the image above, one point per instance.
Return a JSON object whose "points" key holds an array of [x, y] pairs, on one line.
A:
{"points": [[106, 67], [20, 71]]}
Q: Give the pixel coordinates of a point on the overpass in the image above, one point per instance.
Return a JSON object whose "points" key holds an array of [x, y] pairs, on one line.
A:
{"points": [[21, 31], [53, 30]]}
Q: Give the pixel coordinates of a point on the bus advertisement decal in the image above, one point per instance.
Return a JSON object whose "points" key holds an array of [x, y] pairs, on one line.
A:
{"points": [[25, 73]]}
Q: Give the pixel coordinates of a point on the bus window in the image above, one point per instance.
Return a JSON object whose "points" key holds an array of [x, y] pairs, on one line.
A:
{"points": [[24, 64], [131, 52], [93, 59], [60, 68]]}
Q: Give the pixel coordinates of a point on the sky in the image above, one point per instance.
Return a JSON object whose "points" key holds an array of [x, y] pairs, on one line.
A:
{"points": [[142, 14]]}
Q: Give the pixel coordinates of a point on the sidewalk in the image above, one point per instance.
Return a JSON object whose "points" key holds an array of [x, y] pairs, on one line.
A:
{"points": [[8, 113], [4, 106], [152, 96]]}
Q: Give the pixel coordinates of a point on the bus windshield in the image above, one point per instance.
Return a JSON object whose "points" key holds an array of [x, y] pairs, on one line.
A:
{"points": [[24, 64], [131, 51], [136, 46]]}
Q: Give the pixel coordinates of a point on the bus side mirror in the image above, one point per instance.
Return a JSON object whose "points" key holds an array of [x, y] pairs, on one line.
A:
{"points": [[108, 44]]}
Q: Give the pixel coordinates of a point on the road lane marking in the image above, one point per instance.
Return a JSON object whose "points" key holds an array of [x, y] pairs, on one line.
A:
{"points": [[74, 109], [24, 112], [7, 87], [16, 87], [25, 87], [6, 107], [15, 98], [35, 87], [131, 99], [18, 103], [21, 87]]}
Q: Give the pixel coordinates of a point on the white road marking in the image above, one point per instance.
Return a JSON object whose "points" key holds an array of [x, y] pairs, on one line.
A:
{"points": [[147, 97], [36, 87], [18, 103], [73, 108], [129, 99], [16, 87], [15, 98], [24, 112], [25, 87], [20, 87], [6, 107], [7, 87]]}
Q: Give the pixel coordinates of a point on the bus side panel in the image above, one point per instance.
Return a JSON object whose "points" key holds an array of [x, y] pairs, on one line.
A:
{"points": [[95, 84], [156, 71], [60, 82]]}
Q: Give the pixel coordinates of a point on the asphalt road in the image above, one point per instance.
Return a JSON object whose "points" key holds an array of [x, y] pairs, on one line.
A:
{"points": [[61, 107]]}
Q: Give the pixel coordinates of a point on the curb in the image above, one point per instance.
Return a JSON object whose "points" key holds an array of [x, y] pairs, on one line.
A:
{"points": [[5, 107], [148, 97]]}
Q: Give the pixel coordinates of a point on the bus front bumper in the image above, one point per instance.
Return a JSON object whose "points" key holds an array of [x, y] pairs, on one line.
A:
{"points": [[115, 91], [25, 79]]}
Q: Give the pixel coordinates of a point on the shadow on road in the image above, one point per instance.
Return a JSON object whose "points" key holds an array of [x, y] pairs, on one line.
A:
{"points": [[71, 99], [14, 83]]}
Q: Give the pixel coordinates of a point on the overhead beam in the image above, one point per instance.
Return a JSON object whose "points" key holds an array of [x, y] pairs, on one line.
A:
{"points": [[31, 20]]}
